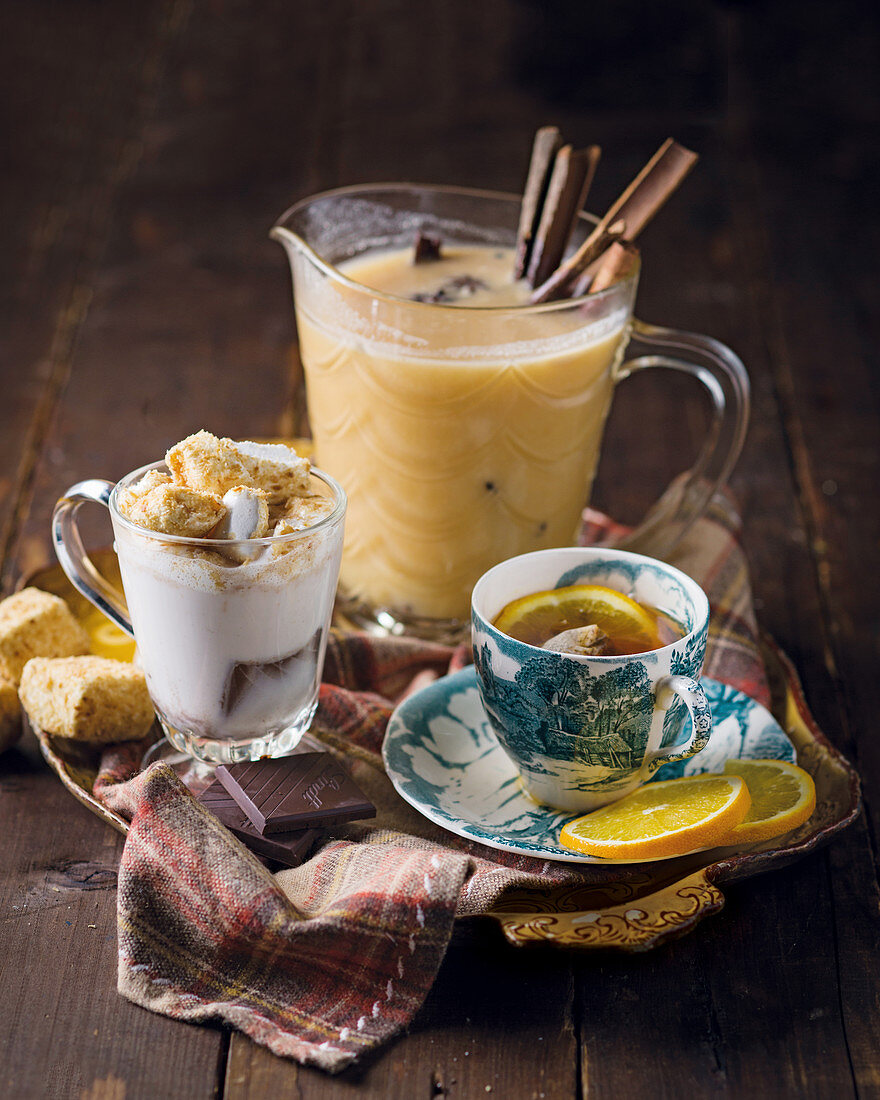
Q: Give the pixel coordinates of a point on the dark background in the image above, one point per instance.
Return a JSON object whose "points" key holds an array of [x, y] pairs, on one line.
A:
{"points": [[146, 150]]}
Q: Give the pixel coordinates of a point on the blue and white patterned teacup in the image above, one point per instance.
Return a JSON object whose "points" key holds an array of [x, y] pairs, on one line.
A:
{"points": [[584, 731]]}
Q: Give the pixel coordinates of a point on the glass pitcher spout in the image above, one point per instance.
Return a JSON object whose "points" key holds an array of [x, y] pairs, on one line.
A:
{"points": [[285, 237]]}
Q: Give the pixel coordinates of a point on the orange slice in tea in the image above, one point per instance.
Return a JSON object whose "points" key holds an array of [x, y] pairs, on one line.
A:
{"points": [[542, 615], [660, 820]]}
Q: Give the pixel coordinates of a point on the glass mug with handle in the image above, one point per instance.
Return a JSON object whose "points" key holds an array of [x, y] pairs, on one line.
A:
{"points": [[230, 635], [465, 436]]}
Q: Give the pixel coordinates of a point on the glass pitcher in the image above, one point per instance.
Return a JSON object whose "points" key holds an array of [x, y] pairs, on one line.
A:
{"points": [[466, 436]]}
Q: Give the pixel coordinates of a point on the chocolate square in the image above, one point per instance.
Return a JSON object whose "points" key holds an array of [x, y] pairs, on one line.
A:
{"points": [[287, 848], [291, 792]]}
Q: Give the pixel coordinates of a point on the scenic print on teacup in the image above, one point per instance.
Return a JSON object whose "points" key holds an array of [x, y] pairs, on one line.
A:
{"points": [[585, 730]]}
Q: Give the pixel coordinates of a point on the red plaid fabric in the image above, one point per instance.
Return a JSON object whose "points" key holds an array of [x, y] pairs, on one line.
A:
{"points": [[325, 962]]}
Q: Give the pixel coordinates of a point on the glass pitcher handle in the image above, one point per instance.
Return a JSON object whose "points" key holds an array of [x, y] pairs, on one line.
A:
{"points": [[722, 372], [75, 562]]}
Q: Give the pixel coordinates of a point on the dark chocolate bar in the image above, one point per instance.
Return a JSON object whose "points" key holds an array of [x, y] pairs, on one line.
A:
{"points": [[287, 848], [293, 792]]}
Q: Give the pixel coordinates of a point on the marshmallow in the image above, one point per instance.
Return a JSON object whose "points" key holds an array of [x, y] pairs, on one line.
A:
{"points": [[247, 517]]}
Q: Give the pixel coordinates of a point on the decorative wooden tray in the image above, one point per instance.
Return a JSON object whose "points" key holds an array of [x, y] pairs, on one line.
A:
{"points": [[661, 901]]}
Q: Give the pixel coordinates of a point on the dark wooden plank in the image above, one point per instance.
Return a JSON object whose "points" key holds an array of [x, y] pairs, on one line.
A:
{"points": [[826, 377], [86, 79], [66, 1030], [813, 162], [856, 897], [738, 1008], [711, 1027], [62, 137]]}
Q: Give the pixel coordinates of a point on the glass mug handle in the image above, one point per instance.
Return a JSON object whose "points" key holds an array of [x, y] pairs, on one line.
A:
{"points": [[722, 372], [694, 698], [75, 562]]}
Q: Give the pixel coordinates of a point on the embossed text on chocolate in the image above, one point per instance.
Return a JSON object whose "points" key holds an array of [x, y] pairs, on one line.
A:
{"points": [[312, 794]]}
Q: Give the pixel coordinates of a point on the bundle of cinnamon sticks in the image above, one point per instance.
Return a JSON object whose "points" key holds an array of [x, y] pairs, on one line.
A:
{"points": [[557, 184]]}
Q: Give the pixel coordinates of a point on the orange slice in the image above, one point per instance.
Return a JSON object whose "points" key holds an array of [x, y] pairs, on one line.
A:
{"points": [[541, 615], [663, 819], [106, 639], [783, 797]]}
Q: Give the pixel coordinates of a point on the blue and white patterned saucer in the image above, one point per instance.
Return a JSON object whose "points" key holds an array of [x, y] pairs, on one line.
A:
{"points": [[442, 756]]}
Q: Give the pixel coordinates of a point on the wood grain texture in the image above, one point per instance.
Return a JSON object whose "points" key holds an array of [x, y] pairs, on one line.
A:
{"points": [[826, 368], [70, 87], [152, 146], [65, 1029], [99, 68]]}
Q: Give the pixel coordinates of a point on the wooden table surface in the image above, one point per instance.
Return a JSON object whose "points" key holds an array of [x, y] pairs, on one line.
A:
{"points": [[148, 149]]}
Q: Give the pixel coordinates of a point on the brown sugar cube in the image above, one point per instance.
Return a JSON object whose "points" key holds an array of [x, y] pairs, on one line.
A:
{"points": [[177, 510], [10, 715], [276, 469], [302, 512], [128, 499], [203, 461], [34, 623], [86, 698]]}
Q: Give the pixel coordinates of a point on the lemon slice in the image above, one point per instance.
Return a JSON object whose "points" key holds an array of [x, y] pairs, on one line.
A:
{"points": [[106, 639], [663, 819], [783, 797], [541, 615]]}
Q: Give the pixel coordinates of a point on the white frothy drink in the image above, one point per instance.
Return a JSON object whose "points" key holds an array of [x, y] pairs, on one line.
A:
{"points": [[231, 634]]}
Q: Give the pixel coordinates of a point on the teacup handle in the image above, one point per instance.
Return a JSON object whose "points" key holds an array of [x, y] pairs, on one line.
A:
{"points": [[75, 562], [694, 698], [722, 372]]}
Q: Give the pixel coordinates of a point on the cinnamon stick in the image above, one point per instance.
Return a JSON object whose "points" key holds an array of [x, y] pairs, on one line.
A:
{"points": [[639, 202], [652, 187], [544, 149], [573, 172], [619, 260], [560, 282]]}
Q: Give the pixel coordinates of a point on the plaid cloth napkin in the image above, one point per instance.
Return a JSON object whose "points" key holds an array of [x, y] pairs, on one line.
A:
{"points": [[327, 961]]}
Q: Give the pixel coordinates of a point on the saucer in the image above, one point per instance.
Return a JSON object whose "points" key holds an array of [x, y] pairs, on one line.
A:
{"points": [[442, 756]]}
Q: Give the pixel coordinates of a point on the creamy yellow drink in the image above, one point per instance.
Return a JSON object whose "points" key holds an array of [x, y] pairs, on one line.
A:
{"points": [[464, 428]]}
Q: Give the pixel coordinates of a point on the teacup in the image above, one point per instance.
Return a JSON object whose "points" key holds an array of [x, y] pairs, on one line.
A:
{"points": [[586, 730]]}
